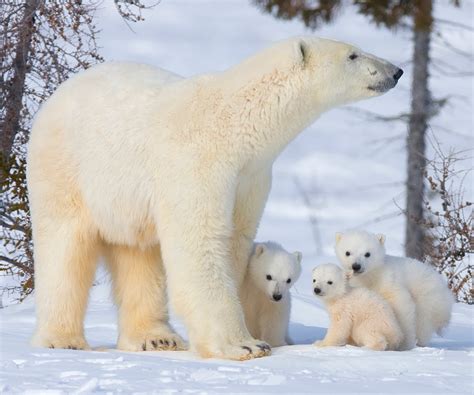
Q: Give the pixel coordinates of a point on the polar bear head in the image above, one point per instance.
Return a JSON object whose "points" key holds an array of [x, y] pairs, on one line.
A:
{"points": [[329, 281], [340, 73], [360, 251], [320, 73], [274, 270]]}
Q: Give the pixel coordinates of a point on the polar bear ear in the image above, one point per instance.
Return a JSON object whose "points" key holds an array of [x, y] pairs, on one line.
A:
{"points": [[303, 50], [259, 249], [298, 256], [338, 237], [380, 238]]}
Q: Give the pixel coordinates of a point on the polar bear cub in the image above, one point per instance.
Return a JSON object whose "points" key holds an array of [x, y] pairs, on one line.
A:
{"points": [[358, 316], [265, 292], [419, 296]]}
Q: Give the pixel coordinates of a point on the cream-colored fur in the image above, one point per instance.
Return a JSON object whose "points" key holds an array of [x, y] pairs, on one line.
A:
{"points": [[417, 293], [151, 167], [358, 316], [265, 293]]}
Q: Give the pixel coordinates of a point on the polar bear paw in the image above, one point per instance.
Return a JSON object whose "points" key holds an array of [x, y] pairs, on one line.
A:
{"points": [[71, 342], [158, 340], [246, 350]]}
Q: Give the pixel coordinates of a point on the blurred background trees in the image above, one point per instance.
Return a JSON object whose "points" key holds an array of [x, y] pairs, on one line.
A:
{"points": [[42, 44]]}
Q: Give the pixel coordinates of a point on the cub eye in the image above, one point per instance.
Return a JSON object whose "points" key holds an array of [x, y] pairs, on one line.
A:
{"points": [[348, 253], [367, 254], [269, 277], [330, 282], [314, 280], [353, 56], [288, 281]]}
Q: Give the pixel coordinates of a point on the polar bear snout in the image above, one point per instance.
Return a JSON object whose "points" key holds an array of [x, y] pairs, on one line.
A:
{"points": [[384, 76], [357, 267], [398, 74], [317, 291], [277, 297]]}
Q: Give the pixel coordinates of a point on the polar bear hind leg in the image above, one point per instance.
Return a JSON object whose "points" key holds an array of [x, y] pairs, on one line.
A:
{"points": [[66, 252], [139, 284], [424, 327]]}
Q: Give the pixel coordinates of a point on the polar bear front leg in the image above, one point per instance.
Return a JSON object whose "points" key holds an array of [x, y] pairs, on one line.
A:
{"points": [[274, 327], [338, 333], [139, 285], [195, 233], [252, 194]]}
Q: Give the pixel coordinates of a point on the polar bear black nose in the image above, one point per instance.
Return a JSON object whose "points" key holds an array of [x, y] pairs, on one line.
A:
{"points": [[317, 291], [356, 267], [398, 74], [277, 297]]}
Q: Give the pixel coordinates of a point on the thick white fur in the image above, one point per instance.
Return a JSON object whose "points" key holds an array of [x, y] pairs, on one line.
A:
{"points": [[417, 293], [358, 316], [270, 268], [155, 170]]}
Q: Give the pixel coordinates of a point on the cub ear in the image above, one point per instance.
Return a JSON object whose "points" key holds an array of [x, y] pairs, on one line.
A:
{"points": [[338, 237], [298, 256], [259, 249], [380, 238]]}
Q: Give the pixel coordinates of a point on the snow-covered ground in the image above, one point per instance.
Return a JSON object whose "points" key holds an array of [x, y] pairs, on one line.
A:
{"points": [[444, 367], [354, 171]]}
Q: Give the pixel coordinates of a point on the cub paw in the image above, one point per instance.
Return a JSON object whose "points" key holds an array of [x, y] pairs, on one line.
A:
{"points": [[377, 345]]}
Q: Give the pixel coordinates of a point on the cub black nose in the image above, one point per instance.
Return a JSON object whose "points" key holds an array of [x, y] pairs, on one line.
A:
{"points": [[317, 291], [277, 297], [398, 74], [356, 267]]}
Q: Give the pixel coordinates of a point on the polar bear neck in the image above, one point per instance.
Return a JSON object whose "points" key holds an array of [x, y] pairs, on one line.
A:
{"points": [[335, 299], [371, 277], [269, 104], [270, 113]]}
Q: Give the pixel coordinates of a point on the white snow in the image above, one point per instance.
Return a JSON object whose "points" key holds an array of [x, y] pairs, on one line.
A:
{"points": [[445, 366], [355, 170]]}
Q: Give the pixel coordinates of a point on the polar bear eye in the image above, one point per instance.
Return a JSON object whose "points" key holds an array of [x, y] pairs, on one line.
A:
{"points": [[348, 253], [353, 56], [314, 280], [269, 277], [288, 281], [367, 254], [330, 282]]}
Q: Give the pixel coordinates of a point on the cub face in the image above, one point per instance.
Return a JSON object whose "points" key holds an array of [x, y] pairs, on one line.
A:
{"points": [[328, 281], [360, 252], [274, 270]]}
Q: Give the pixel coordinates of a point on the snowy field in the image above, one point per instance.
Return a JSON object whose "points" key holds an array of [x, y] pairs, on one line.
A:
{"points": [[353, 169], [444, 367]]}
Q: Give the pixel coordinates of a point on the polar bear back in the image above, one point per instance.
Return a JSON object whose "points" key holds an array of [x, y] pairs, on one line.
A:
{"points": [[82, 135], [413, 273]]}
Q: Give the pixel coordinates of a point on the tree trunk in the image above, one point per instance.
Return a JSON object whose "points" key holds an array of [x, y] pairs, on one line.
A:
{"points": [[16, 87], [420, 109]]}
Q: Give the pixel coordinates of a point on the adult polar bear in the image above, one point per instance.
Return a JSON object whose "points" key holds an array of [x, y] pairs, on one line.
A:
{"points": [[157, 172]]}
